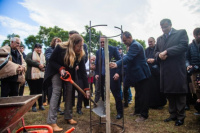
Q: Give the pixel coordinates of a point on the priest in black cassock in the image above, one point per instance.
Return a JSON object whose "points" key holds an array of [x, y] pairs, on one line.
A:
{"points": [[156, 99]]}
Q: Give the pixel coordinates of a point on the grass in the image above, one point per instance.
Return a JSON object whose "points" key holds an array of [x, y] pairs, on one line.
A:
{"points": [[154, 124]]}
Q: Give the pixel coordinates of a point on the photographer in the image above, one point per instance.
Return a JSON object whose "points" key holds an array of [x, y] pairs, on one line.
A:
{"points": [[193, 60]]}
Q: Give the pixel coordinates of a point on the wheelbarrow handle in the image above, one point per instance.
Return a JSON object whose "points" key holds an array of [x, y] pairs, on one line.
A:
{"points": [[69, 79]]}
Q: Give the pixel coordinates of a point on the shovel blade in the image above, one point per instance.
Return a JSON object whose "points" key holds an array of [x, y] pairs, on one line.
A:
{"points": [[99, 109]]}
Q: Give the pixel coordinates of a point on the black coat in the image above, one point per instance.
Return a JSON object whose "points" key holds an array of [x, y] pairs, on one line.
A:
{"points": [[56, 61], [154, 67], [193, 54], [173, 69]]}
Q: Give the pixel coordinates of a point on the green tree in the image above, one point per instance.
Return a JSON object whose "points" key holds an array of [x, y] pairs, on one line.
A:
{"points": [[142, 42], [45, 36], [31, 40], [7, 41], [94, 39]]}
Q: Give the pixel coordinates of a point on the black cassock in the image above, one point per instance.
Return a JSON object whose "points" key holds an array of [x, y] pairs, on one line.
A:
{"points": [[156, 98]]}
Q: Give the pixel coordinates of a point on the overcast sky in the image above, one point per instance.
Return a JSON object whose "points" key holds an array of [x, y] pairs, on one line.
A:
{"points": [[140, 17]]}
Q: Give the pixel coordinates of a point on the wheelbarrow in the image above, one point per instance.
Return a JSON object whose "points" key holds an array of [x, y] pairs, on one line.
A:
{"points": [[12, 110], [98, 107]]}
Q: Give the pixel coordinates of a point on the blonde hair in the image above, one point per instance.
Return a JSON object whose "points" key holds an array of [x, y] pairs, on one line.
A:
{"points": [[70, 55]]}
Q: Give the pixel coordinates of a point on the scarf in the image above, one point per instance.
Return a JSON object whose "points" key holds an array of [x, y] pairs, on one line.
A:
{"points": [[36, 73]]}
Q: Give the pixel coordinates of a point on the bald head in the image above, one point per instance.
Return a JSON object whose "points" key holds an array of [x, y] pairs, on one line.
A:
{"points": [[151, 42]]}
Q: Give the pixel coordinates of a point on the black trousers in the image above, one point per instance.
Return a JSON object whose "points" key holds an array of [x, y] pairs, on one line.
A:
{"points": [[9, 88], [142, 98], [177, 104], [36, 88], [81, 97], [21, 90]]}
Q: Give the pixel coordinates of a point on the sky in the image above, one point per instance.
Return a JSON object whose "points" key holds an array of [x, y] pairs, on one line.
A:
{"points": [[140, 17]]}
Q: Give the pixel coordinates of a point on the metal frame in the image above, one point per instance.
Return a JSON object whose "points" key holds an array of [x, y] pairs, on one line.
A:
{"points": [[100, 122]]}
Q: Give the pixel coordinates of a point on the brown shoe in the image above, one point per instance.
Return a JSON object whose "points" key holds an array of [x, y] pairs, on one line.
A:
{"points": [[45, 104], [140, 119], [72, 122], [56, 128]]}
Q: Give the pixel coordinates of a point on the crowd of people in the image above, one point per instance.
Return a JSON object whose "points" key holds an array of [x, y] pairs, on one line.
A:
{"points": [[169, 69]]}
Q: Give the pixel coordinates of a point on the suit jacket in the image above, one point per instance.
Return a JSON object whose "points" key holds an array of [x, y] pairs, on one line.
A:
{"points": [[56, 61], [136, 66], [173, 69], [113, 54]]}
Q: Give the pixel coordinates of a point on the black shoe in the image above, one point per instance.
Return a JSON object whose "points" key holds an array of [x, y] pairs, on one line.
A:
{"points": [[62, 113], [41, 108], [59, 110], [125, 105], [119, 116], [34, 109], [79, 112], [187, 107], [170, 119], [179, 122]]}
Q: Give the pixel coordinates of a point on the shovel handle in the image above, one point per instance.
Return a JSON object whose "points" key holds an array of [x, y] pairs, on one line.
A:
{"points": [[69, 79], [83, 92]]}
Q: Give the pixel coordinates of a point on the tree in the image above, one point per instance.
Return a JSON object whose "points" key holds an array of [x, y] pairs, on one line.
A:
{"points": [[31, 40], [94, 39], [45, 36], [7, 41], [142, 42]]}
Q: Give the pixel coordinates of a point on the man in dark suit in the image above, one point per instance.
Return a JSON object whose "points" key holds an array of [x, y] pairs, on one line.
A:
{"points": [[137, 74], [170, 53], [114, 76], [156, 99]]}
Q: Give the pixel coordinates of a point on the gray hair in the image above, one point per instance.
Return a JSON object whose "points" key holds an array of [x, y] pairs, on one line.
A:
{"points": [[127, 34], [14, 39]]}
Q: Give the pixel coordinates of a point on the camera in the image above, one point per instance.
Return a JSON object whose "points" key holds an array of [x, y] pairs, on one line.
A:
{"points": [[193, 69]]}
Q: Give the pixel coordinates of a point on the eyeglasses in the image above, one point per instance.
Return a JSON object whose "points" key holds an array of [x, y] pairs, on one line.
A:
{"points": [[102, 42], [17, 42]]}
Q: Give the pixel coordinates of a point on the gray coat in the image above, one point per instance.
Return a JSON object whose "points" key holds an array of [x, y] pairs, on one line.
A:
{"points": [[173, 70]]}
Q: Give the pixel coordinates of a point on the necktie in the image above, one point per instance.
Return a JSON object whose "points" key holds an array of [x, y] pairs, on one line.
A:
{"points": [[103, 62]]}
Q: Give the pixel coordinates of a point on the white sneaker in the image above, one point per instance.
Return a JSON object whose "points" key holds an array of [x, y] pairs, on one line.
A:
{"points": [[87, 107]]}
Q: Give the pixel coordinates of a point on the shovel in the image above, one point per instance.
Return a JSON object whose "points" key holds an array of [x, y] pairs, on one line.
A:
{"points": [[69, 79]]}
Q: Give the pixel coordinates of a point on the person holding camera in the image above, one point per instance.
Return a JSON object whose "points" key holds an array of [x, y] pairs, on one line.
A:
{"points": [[193, 61]]}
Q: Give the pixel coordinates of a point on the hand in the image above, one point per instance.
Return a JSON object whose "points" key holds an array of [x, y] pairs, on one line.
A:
{"points": [[96, 77], [198, 100], [189, 67], [63, 73], [87, 94], [150, 60], [77, 67], [112, 65], [163, 55], [20, 69], [41, 66], [116, 76]]}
